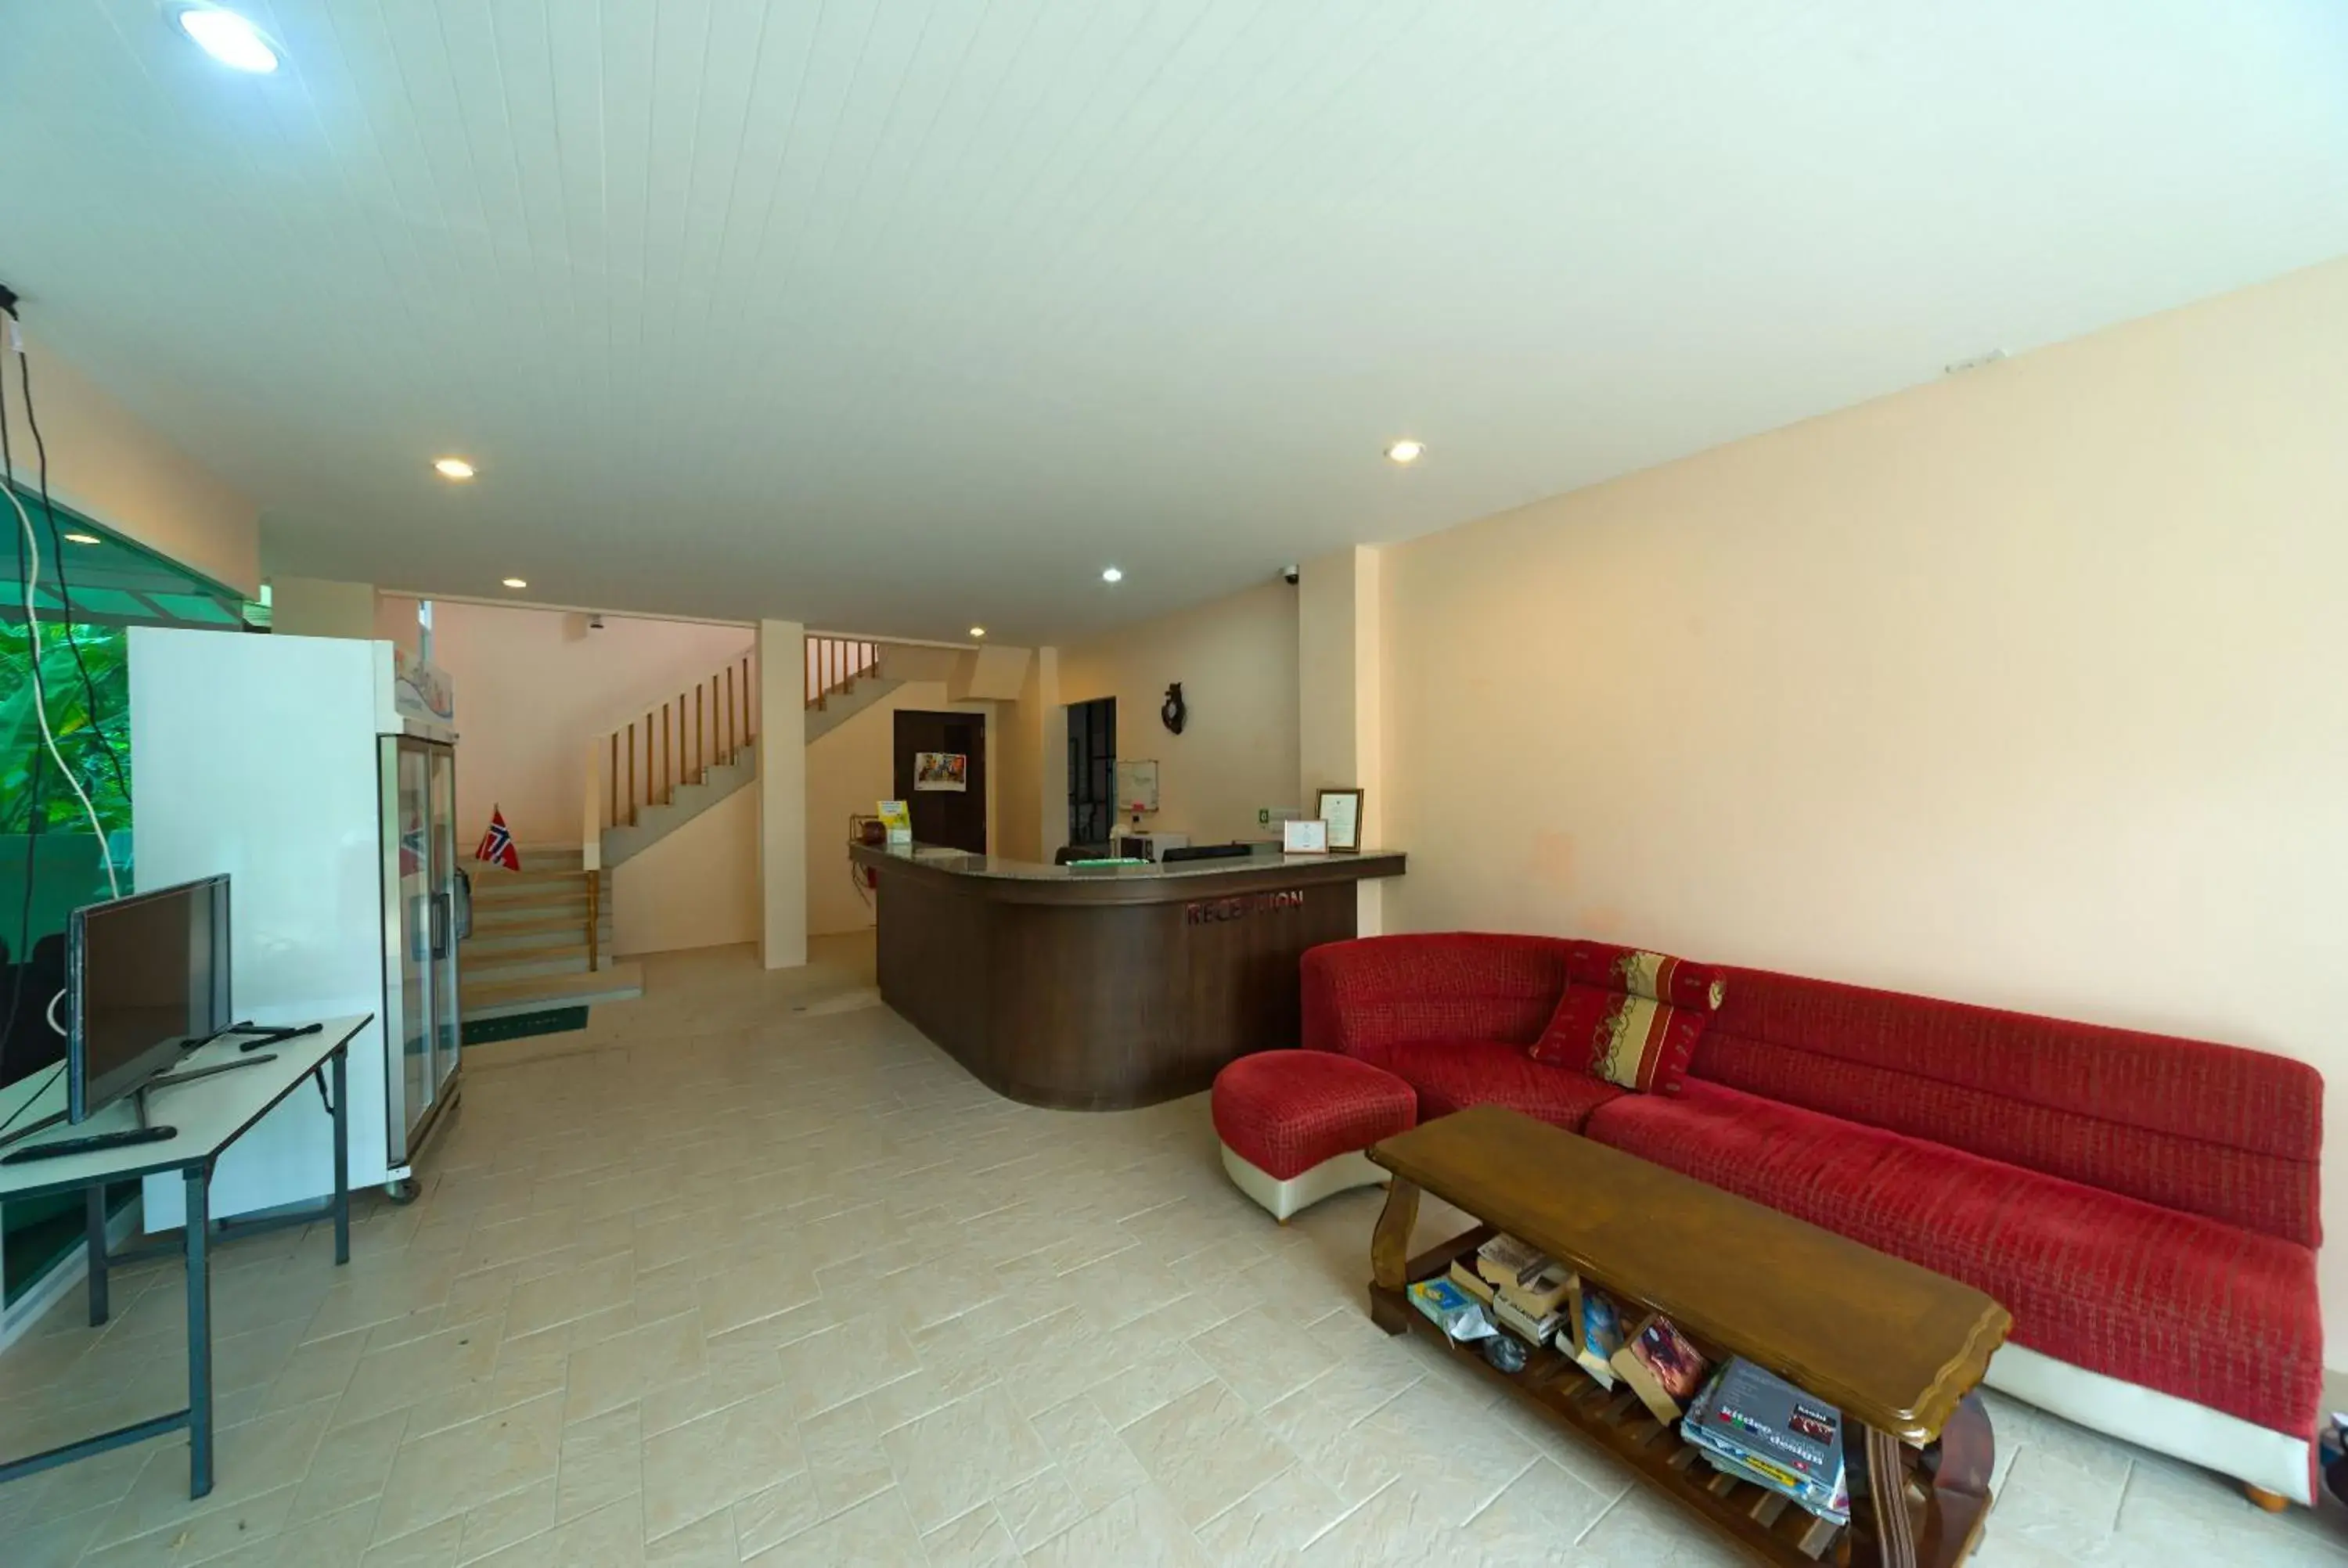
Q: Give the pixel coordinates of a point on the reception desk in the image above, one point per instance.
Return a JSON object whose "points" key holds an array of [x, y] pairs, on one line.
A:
{"points": [[1102, 988]]}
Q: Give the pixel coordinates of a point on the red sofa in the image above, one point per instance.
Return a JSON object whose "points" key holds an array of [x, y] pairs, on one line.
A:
{"points": [[2145, 1206]]}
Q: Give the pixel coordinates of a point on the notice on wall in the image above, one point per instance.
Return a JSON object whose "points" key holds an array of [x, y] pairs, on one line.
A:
{"points": [[948, 771]]}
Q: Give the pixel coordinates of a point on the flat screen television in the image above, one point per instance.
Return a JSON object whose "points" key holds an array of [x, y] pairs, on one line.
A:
{"points": [[145, 977]]}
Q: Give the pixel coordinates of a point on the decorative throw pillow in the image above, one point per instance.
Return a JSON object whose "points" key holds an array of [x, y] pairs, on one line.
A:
{"points": [[1639, 1025]]}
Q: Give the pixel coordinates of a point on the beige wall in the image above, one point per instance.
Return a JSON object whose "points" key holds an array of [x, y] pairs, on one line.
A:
{"points": [[534, 686], [1030, 766], [1340, 702], [2024, 687], [852, 768], [1237, 659], [316, 607], [107, 466], [697, 888], [782, 816]]}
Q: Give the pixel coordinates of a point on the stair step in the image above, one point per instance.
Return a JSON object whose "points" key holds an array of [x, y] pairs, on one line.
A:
{"points": [[536, 930], [503, 999]]}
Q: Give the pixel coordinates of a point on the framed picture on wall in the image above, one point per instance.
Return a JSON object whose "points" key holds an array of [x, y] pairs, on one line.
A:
{"points": [[1342, 810]]}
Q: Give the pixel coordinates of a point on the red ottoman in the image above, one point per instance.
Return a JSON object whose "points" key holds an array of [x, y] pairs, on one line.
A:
{"points": [[1294, 1125]]}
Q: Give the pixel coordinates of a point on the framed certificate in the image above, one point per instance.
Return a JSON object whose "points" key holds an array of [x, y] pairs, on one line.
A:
{"points": [[1307, 837], [1342, 810]]}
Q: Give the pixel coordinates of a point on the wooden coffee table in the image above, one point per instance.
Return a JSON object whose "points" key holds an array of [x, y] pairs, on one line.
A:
{"points": [[1899, 1348]]}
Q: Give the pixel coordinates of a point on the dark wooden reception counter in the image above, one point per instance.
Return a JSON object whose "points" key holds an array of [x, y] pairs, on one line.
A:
{"points": [[1100, 987]]}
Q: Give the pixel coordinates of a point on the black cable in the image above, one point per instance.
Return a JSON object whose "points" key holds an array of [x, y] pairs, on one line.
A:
{"points": [[58, 561], [40, 755], [33, 1100]]}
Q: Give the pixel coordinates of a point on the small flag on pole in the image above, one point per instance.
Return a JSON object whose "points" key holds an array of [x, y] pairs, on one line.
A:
{"points": [[498, 844]]}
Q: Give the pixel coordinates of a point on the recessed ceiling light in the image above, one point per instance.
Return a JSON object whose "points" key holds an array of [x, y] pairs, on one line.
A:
{"points": [[978, 632], [1406, 450], [1110, 573], [517, 582], [452, 468], [83, 539], [229, 39]]}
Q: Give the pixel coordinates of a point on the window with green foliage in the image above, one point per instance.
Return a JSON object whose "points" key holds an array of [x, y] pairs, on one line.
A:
{"points": [[78, 664]]}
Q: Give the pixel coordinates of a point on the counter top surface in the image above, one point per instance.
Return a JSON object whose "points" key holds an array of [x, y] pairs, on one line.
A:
{"points": [[962, 863]]}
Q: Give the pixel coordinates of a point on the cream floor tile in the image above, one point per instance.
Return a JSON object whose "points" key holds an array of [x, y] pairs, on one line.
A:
{"points": [[1150, 1384], [1263, 1356], [753, 1290], [205, 1536], [610, 1537], [846, 1361], [1205, 1450], [1039, 1507], [875, 1533], [708, 1544], [1139, 1530], [770, 1517], [606, 1282], [416, 1369], [1533, 1516], [1644, 1530], [350, 1467], [977, 1540], [963, 1455], [259, 1456], [452, 1471], [693, 1470], [845, 1461], [1274, 1522], [433, 1546], [601, 1461], [502, 1522], [1099, 1467], [623, 1368], [330, 1542]]}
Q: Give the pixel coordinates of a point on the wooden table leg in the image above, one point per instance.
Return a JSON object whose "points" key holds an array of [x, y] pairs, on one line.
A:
{"points": [[1390, 1254], [1889, 1531]]}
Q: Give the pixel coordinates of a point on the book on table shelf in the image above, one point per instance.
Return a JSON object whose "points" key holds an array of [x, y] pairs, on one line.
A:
{"points": [[1597, 1333], [1661, 1367], [1753, 1424], [1468, 1280]]}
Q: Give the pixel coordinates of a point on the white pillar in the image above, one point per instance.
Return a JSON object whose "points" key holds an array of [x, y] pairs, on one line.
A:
{"points": [[1339, 732], [782, 794]]}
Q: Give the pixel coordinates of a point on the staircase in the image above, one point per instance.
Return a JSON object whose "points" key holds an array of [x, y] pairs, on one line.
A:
{"points": [[529, 951], [543, 936]]}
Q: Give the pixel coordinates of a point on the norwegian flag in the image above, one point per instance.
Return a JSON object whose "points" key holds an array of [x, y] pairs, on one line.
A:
{"points": [[498, 844]]}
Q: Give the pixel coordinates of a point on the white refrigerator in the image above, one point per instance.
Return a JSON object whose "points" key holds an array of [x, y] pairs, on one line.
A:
{"points": [[293, 764]]}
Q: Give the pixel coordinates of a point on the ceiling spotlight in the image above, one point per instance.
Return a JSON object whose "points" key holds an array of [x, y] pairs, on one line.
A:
{"points": [[978, 632], [1110, 573], [452, 468], [229, 39], [83, 539], [516, 582], [1406, 450]]}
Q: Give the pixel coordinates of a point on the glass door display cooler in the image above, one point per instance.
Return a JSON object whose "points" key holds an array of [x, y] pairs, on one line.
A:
{"points": [[426, 909]]}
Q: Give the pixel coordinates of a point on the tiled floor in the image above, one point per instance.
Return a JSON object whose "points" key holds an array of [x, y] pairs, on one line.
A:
{"points": [[750, 1272]]}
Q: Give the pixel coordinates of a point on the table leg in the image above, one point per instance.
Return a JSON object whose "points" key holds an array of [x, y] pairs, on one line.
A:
{"points": [[199, 1331], [1390, 1253], [94, 1237], [342, 1156]]}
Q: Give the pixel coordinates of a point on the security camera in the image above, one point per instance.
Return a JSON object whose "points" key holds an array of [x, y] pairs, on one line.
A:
{"points": [[594, 623], [1290, 573]]}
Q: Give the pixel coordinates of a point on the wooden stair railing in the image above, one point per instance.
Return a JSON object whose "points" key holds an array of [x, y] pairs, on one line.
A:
{"points": [[834, 666], [677, 742]]}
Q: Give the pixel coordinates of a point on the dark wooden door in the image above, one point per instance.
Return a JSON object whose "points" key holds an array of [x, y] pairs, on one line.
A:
{"points": [[952, 818]]}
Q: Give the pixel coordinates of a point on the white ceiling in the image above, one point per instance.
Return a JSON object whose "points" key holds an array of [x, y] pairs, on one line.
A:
{"points": [[898, 315]]}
